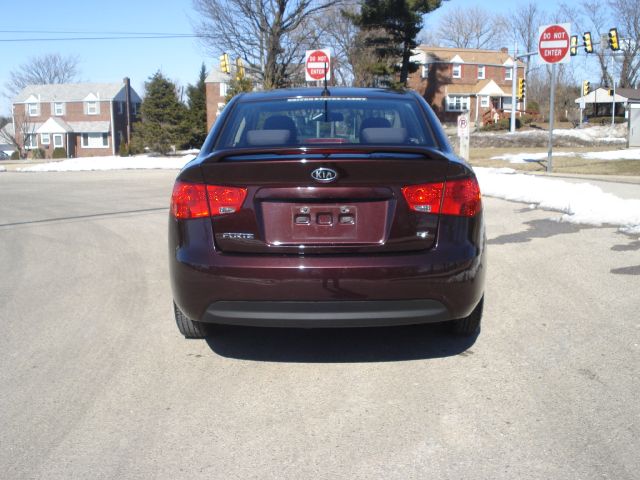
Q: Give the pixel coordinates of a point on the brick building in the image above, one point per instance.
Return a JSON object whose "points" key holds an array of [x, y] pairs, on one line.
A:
{"points": [[86, 119], [216, 85], [454, 80]]}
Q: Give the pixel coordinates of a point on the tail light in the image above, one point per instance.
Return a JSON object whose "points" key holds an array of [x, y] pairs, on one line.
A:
{"points": [[196, 200], [460, 197]]}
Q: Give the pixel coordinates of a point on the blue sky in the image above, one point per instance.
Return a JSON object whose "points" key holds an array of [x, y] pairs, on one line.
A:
{"points": [[111, 60]]}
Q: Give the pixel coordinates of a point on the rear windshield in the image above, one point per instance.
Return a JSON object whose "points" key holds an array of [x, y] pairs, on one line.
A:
{"points": [[325, 121]]}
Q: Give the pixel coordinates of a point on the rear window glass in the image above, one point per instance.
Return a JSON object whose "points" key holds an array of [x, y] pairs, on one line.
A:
{"points": [[325, 121]]}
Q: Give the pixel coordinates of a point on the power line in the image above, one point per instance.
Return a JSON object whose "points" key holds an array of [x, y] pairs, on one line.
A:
{"points": [[130, 37]]}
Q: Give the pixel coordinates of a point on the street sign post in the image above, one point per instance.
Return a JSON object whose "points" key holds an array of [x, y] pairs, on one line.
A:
{"points": [[553, 48], [463, 135], [317, 63]]}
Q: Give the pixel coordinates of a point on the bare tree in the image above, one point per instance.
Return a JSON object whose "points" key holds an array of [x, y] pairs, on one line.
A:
{"points": [[16, 134], [42, 70], [471, 28], [524, 24], [270, 35], [627, 17]]}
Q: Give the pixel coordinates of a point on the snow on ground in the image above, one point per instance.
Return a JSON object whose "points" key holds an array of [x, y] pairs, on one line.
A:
{"points": [[2, 169], [601, 133], [628, 154], [111, 163], [580, 202]]}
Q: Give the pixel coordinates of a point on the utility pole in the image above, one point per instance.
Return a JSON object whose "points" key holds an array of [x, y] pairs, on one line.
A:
{"points": [[514, 81]]}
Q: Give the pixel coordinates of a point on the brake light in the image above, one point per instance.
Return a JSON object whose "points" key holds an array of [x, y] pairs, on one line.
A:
{"points": [[424, 198], [460, 197], [196, 200], [189, 200], [225, 199]]}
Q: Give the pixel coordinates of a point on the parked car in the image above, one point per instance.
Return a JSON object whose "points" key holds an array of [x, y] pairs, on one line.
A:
{"points": [[327, 208]]}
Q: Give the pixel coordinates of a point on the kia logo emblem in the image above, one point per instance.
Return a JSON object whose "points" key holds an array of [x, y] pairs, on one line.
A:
{"points": [[324, 175]]}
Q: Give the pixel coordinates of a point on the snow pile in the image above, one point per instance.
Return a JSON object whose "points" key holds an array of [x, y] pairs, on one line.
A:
{"points": [[2, 169], [628, 154], [580, 202], [530, 157], [111, 163], [602, 133]]}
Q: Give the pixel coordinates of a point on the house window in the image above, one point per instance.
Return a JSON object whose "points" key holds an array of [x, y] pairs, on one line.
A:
{"points": [[457, 70], [33, 109], [506, 103], [425, 71], [30, 141], [95, 140], [120, 108], [223, 89], [92, 108], [481, 72], [58, 108], [484, 102], [457, 103], [58, 140], [45, 139], [508, 73]]}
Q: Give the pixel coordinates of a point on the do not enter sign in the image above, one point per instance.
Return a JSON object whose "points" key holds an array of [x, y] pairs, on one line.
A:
{"points": [[553, 43], [316, 62]]}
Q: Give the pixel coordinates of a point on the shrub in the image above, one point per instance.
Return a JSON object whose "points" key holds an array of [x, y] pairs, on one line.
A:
{"points": [[502, 124], [59, 152], [36, 154], [123, 151], [15, 155], [605, 120], [533, 106]]}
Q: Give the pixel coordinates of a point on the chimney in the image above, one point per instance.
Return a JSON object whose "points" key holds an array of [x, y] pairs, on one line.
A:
{"points": [[127, 102], [504, 50]]}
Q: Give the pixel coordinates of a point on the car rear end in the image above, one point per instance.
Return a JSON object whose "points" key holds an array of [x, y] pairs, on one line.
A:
{"points": [[326, 211]]}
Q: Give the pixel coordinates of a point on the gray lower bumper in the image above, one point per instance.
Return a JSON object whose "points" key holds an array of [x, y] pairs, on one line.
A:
{"points": [[328, 314]]}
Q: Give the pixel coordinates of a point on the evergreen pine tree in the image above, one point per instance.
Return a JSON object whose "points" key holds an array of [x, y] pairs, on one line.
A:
{"points": [[197, 116], [163, 116]]}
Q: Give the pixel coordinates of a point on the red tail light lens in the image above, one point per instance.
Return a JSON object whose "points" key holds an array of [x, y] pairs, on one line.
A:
{"points": [[459, 197], [225, 199], [424, 198], [196, 200], [189, 200]]}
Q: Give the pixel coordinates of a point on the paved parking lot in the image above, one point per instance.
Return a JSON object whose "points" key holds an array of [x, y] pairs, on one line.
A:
{"points": [[96, 382]]}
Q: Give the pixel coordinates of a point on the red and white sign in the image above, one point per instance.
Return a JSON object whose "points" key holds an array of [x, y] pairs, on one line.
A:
{"points": [[553, 43], [316, 63]]}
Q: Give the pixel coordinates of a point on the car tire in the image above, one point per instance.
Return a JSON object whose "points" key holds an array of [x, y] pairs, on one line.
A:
{"points": [[469, 325], [189, 328]]}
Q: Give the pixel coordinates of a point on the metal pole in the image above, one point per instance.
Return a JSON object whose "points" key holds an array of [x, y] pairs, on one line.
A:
{"points": [[514, 77], [551, 117], [613, 99]]}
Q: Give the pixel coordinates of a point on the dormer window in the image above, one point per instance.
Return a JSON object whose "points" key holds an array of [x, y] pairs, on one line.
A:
{"points": [[92, 108], [33, 109], [58, 108]]}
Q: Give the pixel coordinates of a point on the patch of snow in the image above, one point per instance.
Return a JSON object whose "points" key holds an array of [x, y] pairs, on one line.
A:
{"points": [[529, 157], [111, 163], [627, 154], [580, 202], [2, 169]]}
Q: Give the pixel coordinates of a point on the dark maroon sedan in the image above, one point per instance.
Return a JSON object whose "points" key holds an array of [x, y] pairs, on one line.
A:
{"points": [[335, 208]]}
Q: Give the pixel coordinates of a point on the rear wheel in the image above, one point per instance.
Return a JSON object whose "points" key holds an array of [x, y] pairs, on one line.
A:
{"points": [[470, 325], [188, 327]]}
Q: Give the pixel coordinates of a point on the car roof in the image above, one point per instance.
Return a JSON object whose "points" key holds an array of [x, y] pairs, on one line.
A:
{"points": [[317, 92]]}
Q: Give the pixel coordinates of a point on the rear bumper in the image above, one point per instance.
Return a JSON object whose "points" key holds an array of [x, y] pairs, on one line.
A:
{"points": [[328, 314], [443, 283]]}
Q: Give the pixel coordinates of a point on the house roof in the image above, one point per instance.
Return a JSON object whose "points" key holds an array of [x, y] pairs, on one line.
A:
{"points": [[216, 76], [90, 127], [629, 93], [601, 95], [54, 125], [75, 92], [467, 55], [483, 87]]}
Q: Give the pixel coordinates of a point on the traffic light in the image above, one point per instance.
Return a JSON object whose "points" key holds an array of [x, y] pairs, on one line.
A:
{"points": [[614, 44], [225, 64], [586, 88], [574, 45], [239, 69], [610, 92], [588, 45], [521, 88]]}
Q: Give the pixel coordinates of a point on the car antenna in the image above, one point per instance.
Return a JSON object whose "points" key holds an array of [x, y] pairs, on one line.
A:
{"points": [[325, 92]]}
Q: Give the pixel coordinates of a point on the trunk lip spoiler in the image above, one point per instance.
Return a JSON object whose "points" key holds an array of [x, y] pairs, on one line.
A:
{"points": [[329, 153]]}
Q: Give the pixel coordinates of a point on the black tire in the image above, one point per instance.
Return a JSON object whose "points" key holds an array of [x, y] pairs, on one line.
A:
{"points": [[470, 325], [188, 327]]}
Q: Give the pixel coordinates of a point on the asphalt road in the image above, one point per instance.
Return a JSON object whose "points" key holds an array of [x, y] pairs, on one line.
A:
{"points": [[96, 382]]}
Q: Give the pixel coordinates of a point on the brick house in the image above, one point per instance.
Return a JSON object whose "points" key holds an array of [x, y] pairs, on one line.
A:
{"points": [[216, 85], [454, 80], [86, 119]]}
